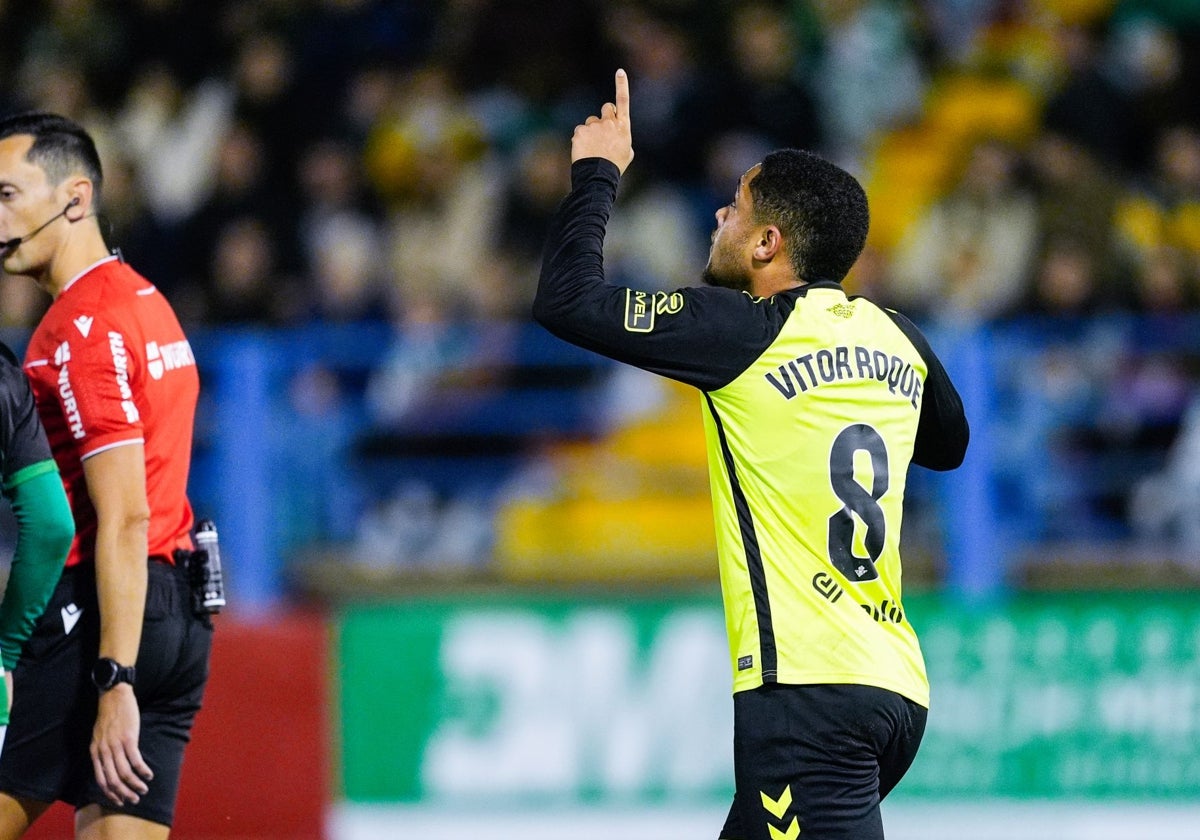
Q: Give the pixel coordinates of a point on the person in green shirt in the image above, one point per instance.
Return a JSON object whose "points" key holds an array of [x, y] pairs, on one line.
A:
{"points": [[45, 527]]}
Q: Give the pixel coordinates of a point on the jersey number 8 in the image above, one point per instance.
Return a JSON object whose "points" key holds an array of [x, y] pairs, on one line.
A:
{"points": [[856, 501]]}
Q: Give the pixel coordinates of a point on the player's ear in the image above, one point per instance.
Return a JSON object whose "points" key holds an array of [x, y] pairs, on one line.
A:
{"points": [[769, 245]]}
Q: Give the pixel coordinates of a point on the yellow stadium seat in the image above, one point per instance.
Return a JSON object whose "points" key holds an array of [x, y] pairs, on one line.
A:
{"points": [[968, 107]]}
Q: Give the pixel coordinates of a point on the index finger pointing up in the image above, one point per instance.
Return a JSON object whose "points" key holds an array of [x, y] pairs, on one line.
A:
{"points": [[622, 99]]}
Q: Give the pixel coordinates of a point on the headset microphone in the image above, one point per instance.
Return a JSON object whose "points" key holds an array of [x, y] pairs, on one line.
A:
{"points": [[10, 245]]}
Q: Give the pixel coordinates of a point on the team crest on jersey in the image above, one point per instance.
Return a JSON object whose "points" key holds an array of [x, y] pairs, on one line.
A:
{"points": [[842, 310]]}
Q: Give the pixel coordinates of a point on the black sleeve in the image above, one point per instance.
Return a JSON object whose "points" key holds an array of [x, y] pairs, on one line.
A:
{"points": [[22, 438], [942, 432], [700, 336]]}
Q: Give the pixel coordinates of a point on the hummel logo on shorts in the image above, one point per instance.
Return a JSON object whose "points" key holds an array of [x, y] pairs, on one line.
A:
{"points": [[70, 616]]}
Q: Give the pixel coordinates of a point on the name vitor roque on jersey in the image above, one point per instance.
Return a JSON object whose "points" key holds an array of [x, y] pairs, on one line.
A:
{"points": [[842, 363]]}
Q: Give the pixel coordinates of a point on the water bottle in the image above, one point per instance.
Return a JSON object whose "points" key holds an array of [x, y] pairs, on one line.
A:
{"points": [[208, 585]]}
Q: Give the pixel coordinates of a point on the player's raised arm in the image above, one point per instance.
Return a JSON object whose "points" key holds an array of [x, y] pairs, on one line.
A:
{"points": [[609, 135]]}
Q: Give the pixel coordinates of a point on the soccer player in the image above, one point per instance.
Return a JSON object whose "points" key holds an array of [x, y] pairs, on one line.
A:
{"points": [[112, 678], [44, 525], [814, 403]]}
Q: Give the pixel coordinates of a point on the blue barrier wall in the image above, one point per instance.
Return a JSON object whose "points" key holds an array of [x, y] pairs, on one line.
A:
{"points": [[292, 450], [1073, 429]]}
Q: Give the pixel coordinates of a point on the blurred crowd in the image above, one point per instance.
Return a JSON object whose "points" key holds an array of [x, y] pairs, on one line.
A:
{"points": [[296, 162], [287, 161]]}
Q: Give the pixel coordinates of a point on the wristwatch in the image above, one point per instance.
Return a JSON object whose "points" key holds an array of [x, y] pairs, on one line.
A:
{"points": [[106, 673]]}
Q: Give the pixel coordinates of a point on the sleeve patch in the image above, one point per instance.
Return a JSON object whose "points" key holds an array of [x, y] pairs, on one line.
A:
{"points": [[639, 311], [116, 344], [641, 308]]}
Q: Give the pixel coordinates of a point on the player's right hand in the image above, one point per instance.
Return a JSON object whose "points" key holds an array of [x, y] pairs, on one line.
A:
{"points": [[609, 135], [120, 770]]}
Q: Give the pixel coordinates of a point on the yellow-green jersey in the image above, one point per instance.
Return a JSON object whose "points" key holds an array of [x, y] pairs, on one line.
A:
{"points": [[814, 405], [809, 449]]}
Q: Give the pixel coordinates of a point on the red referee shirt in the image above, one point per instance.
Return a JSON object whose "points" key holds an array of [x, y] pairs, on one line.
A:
{"points": [[110, 366]]}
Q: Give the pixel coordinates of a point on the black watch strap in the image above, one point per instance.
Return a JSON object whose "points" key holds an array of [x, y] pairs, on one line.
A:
{"points": [[107, 673]]}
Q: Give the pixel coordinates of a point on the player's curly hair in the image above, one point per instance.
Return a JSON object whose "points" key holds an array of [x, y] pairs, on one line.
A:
{"points": [[820, 209], [61, 147]]}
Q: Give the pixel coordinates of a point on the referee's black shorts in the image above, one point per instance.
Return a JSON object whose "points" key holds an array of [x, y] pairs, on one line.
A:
{"points": [[45, 754], [818, 759]]}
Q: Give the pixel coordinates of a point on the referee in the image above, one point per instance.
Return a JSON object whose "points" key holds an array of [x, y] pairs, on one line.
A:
{"points": [[814, 404], [114, 673]]}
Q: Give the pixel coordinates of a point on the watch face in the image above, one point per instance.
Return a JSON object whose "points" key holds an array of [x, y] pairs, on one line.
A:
{"points": [[104, 673], [107, 672]]}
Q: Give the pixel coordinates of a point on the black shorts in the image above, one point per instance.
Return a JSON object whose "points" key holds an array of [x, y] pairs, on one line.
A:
{"points": [[818, 758], [45, 755]]}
